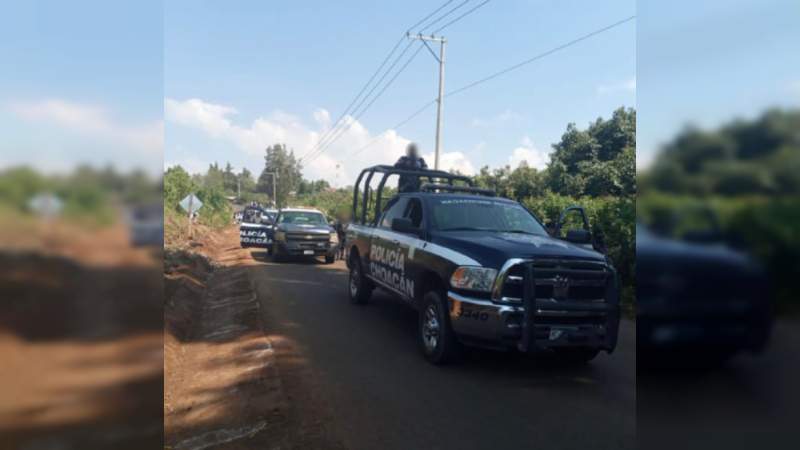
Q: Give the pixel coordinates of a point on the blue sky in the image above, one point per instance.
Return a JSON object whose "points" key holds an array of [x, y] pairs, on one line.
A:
{"points": [[239, 75], [143, 84], [81, 83]]}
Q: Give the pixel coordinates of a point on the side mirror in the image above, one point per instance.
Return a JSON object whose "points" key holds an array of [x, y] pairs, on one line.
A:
{"points": [[550, 227], [579, 237], [404, 225]]}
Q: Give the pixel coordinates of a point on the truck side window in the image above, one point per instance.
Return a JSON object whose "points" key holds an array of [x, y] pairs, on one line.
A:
{"points": [[393, 209], [414, 212]]}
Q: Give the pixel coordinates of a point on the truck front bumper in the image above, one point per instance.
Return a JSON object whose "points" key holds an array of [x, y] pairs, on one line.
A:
{"points": [[550, 325], [302, 248]]}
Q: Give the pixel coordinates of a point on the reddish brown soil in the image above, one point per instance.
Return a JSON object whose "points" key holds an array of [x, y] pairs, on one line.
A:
{"points": [[80, 339]]}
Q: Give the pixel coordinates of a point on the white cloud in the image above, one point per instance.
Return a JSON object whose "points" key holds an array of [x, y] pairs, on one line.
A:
{"points": [[528, 154], [504, 117], [628, 85], [451, 161], [794, 87], [93, 121], [338, 164]]}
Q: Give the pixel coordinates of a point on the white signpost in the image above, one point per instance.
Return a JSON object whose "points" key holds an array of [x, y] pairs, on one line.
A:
{"points": [[46, 205], [191, 204]]}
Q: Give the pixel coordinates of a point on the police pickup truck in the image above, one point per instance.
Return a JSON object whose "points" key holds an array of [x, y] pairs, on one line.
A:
{"points": [[256, 227], [481, 270], [303, 232]]}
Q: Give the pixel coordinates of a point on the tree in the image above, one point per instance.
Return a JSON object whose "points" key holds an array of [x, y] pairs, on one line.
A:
{"points": [[229, 180], [177, 185], [214, 178], [280, 162], [246, 181], [597, 161], [526, 182], [758, 156]]}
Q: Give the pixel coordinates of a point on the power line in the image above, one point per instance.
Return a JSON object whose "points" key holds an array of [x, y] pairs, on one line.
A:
{"points": [[471, 10], [398, 125], [324, 143], [539, 56], [328, 133], [497, 74], [423, 20], [374, 99], [461, 16], [355, 99], [445, 15]]}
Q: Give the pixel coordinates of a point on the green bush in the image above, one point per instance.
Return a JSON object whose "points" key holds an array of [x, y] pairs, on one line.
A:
{"points": [[764, 227], [216, 211]]}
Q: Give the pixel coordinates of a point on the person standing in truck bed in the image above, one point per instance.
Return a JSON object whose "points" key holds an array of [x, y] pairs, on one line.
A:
{"points": [[410, 161]]}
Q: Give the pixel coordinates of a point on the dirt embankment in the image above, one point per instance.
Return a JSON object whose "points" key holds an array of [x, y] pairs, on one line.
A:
{"points": [[81, 340], [221, 384]]}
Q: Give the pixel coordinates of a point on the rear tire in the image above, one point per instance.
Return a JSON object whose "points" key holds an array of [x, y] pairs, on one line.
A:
{"points": [[329, 259], [359, 288], [436, 337]]}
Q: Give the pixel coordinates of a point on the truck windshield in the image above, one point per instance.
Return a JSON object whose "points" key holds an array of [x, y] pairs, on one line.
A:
{"points": [[303, 218], [484, 215]]}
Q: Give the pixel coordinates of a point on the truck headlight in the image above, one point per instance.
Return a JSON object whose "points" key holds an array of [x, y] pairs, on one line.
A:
{"points": [[473, 278], [334, 238], [280, 236]]}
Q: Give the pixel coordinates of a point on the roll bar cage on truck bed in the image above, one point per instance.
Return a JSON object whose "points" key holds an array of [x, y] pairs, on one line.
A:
{"points": [[438, 180]]}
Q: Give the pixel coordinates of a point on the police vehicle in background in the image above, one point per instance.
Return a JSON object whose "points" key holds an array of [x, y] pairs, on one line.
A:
{"points": [[255, 229], [481, 270], [303, 232]]}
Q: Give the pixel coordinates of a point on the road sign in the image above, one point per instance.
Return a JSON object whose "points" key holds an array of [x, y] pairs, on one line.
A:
{"points": [[46, 205], [191, 204]]}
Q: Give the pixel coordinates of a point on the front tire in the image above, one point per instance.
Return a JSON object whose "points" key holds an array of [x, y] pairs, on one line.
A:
{"points": [[436, 337], [359, 287]]}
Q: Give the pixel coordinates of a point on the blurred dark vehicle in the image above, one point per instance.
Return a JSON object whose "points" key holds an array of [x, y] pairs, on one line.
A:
{"points": [[146, 224], [699, 300]]}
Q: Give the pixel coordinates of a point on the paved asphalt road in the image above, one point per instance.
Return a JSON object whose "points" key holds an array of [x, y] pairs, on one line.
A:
{"points": [[356, 371]]}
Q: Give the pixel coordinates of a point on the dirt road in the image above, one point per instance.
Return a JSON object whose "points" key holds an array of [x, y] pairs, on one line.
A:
{"points": [[298, 366]]}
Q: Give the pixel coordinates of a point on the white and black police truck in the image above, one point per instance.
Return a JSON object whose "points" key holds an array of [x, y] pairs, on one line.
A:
{"points": [[256, 228], [481, 270]]}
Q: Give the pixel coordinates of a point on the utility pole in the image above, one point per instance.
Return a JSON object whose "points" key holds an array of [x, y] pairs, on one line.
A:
{"points": [[442, 41], [274, 188]]}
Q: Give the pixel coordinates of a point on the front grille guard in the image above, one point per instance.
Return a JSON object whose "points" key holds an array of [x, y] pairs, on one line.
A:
{"points": [[528, 342]]}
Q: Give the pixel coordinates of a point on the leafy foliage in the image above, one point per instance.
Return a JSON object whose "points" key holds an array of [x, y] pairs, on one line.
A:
{"points": [[597, 161], [216, 210], [88, 194], [746, 174], [761, 156], [281, 162]]}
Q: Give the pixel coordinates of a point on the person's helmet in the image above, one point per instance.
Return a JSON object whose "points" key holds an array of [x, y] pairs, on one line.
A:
{"points": [[412, 151]]}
